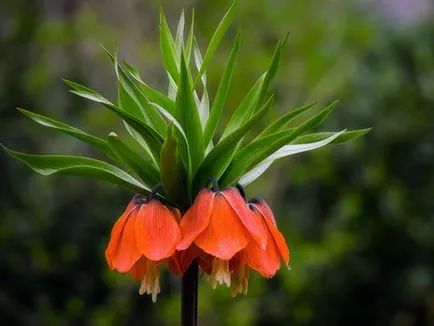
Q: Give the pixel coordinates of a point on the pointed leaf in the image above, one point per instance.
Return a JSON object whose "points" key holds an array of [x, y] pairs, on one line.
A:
{"points": [[152, 94], [221, 155], [149, 135], [284, 120], [216, 39], [179, 39], [189, 46], [188, 116], [271, 72], [81, 166], [133, 100], [78, 87], [203, 104], [259, 149], [168, 49], [245, 109], [222, 91], [287, 150], [131, 159], [343, 138], [67, 129]]}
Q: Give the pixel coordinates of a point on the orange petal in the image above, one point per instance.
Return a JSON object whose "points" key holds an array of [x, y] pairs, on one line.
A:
{"points": [[225, 234], [139, 269], [116, 233], [196, 219], [268, 216], [174, 263], [265, 262], [157, 232], [127, 252], [255, 227], [192, 252]]}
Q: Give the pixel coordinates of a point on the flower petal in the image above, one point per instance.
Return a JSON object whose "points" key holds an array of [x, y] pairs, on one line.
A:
{"points": [[174, 263], [225, 234], [269, 219], [138, 270], [112, 247], [255, 227], [157, 232], [192, 252], [196, 219], [266, 262], [127, 252]]}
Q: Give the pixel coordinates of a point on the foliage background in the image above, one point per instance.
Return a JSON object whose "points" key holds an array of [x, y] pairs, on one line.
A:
{"points": [[358, 217]]}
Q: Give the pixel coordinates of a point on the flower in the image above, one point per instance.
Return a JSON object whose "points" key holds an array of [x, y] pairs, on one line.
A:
{"points": [[220, 224], [265, 261], [142, 239]]}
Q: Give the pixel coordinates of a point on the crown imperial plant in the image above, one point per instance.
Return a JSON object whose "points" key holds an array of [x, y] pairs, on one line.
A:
{"points": [[175, 218]]}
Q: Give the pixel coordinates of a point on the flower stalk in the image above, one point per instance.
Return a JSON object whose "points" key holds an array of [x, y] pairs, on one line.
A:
{"points": [[189, 295]]}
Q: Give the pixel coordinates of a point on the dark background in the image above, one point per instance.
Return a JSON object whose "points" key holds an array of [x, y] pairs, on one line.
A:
{"points": [[359, 218]]}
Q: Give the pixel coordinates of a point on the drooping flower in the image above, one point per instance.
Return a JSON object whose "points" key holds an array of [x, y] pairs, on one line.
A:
{"points": [[264, 261], [220, 224], [142, 239]]}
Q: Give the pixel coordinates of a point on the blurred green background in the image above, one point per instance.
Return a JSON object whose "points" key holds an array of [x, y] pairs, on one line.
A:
{"points": [[359, 218]]}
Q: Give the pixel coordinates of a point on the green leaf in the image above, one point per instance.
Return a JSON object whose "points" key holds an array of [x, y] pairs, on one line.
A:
{"points": [[271, 72], [172, 174], [189, 46], [342, 138], [179, 39], [152, 138], [188, 116], [131, 159], [168, 49], [245, 109], [203, 104], [284, 120], [316, 120], [216, 39], [133, 100], [222, 92], [81, 166], [152, 94], [78, 87], [287, 150], [259, 149], [221, 155], [67, 129]]}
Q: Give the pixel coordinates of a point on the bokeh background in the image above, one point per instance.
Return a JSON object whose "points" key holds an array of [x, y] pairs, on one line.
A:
{"points": [[359, 217]]}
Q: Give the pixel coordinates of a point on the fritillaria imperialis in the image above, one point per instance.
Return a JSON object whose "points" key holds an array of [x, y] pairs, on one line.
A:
{"points": [[173, 144]]}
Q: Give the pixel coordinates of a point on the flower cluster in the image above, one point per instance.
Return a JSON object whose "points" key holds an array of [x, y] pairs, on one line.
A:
{"points": [[227, 234]]}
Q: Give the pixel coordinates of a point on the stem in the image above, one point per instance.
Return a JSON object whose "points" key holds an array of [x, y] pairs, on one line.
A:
{"points": [[242, 192], [215, 184], [189, 295]]}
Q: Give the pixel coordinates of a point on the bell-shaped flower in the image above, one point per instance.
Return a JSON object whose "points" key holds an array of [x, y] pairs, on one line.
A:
{"points": [[220, 224], [264, 261], [145, 236]]}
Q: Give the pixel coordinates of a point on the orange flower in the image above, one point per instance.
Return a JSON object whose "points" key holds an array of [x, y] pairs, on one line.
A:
{"points": [[264, 261], [145, 236], [220, 224]]}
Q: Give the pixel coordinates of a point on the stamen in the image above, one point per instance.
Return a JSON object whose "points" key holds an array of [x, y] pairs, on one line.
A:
{"points": [[151, 280], [220, 273], [241, 280]]}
